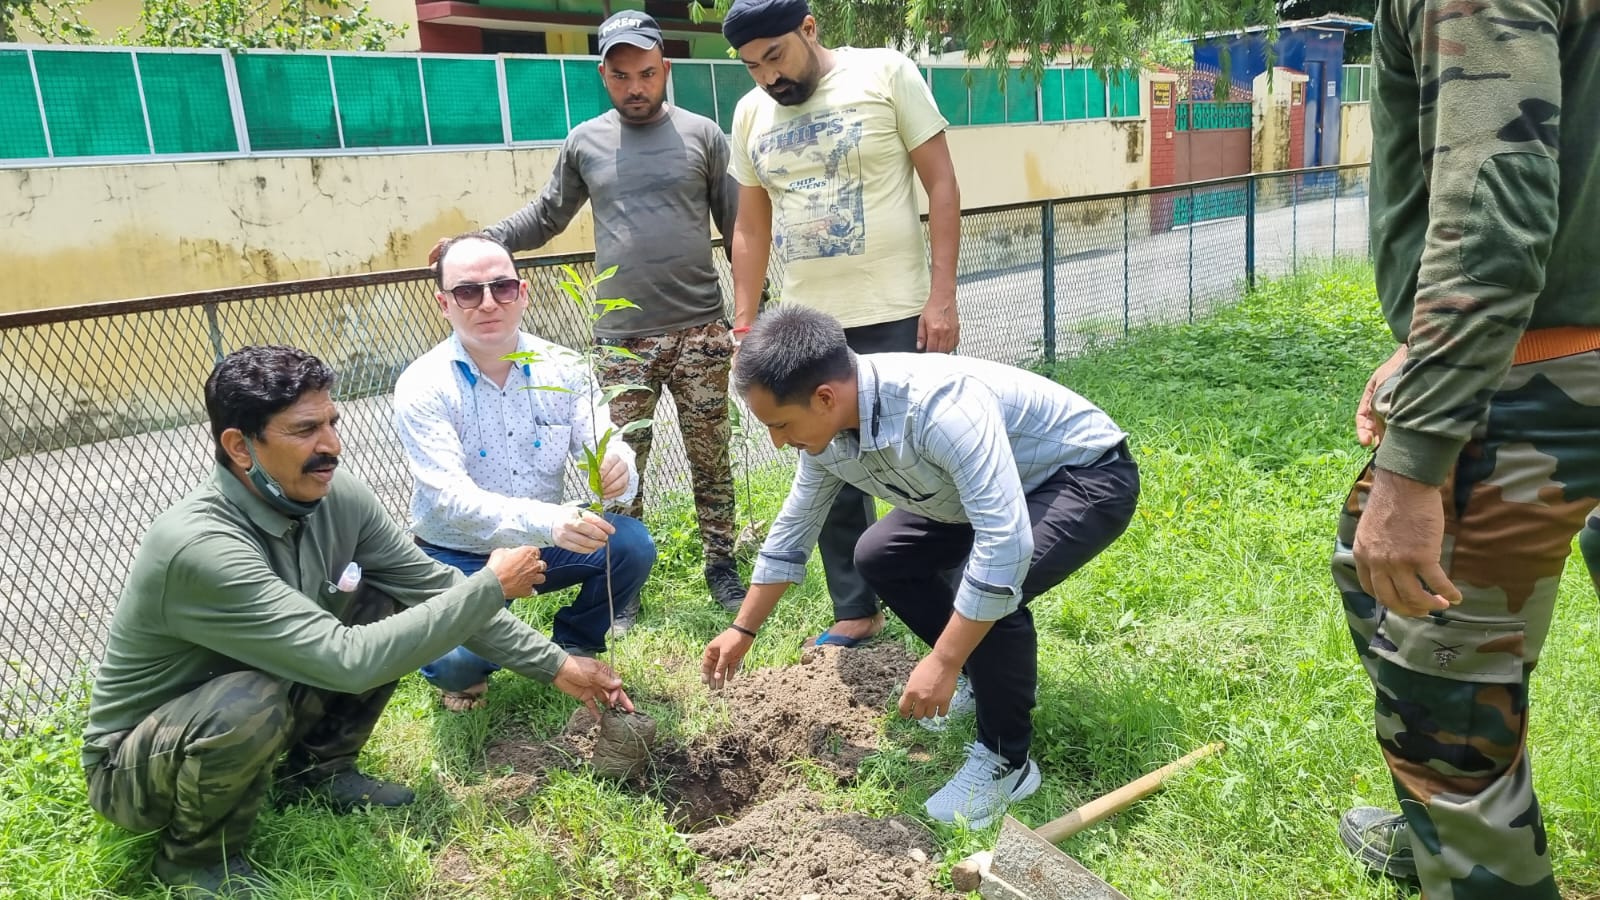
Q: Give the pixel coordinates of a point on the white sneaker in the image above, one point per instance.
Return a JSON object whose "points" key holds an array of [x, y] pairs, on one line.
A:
{"points": [[980, 792], [961, 703]]}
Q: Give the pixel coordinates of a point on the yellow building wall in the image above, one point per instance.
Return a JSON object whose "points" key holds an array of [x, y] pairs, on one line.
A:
{"points": [[114, 232], [107, 16], [1355, 133]]}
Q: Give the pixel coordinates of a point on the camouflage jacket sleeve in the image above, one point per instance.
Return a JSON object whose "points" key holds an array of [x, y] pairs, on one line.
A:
{"points": [[1488, 78]]}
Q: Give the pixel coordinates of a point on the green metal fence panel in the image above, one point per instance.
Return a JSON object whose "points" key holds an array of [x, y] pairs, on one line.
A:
{"points": [[1022, 98], [951, 96], [1357, 84], [1095, 94], [1124, 94], [186, 97], [1207, 115], [988, 97], [380, 101], [691, 88], [91, 100], [535, 95], [1086, 94], [463, 97], [21, 129], [732, 83], [586, 93], [1053, 95], [288, 101]]}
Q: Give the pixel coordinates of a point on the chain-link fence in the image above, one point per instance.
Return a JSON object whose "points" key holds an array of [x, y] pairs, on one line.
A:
{"points": [[102, 420]]}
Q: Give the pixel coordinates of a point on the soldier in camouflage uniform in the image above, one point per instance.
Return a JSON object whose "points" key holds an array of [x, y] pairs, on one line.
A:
{"points": [[1487, 419], [655, 175], [269, 614]]}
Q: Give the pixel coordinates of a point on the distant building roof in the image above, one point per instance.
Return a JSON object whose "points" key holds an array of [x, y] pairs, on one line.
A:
{"points": [[1332, 21]]}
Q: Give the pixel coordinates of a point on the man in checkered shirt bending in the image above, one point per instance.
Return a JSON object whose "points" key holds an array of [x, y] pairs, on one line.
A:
{"points": [[1003, 483]]}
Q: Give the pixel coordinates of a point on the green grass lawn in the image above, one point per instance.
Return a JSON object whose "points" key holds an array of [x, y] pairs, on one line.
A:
{"points": [[1213, 618]]}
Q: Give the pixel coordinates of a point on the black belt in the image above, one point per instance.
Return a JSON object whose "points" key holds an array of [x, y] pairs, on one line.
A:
{"points": [[1119, 453]]}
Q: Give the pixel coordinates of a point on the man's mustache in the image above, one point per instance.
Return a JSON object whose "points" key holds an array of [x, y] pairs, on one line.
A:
{"points": [[320, 461]]}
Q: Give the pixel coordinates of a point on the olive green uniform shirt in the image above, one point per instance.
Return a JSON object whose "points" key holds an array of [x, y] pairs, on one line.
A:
{"points": [[1485, 201], [222, 582]]}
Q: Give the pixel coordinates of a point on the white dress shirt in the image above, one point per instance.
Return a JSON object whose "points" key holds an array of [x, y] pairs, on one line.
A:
{"points": [[952, 439], [488, 461]]}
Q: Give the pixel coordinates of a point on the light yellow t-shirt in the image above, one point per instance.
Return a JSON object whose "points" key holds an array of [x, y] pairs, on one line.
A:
{"points": [[838, 170]]}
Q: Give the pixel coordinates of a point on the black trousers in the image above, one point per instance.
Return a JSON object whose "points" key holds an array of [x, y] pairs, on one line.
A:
{"points": [[915, 563], [853, 511]]}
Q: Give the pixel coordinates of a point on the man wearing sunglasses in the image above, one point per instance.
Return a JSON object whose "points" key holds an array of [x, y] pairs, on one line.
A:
{"points": [[655, 175], [489, 442]]}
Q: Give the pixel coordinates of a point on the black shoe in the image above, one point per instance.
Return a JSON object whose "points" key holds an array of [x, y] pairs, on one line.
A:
{"points": [[233, 877], [1381, 840], [351, 789], [722, 577]]}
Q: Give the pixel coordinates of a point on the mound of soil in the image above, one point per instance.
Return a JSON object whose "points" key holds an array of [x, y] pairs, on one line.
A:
{"points": [[735, 792], [825, 709], [791, 847]]}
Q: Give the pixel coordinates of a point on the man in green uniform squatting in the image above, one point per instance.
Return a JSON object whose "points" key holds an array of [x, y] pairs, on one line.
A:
{"points": [[273, 609]]}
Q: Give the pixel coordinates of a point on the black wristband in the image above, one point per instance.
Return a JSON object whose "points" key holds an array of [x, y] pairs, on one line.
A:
{"points": [[741, 629]]}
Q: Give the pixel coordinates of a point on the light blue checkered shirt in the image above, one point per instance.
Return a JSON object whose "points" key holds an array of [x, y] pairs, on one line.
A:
{"points": [[951, 439]]}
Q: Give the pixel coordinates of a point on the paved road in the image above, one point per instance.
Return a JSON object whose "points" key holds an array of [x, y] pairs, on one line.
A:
{"points": [[71, 519]]}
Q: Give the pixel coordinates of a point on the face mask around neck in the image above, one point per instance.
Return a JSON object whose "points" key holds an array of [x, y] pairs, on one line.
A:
{"points": [[271, 491]]}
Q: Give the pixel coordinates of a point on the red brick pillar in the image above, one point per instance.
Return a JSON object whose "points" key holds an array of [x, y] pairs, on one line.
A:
{"points": [[1163, 122], [1297, 125]]}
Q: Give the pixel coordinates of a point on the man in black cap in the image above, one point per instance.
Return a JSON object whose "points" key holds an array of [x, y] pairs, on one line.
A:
{"points": [[655, 174], [828, 146]]}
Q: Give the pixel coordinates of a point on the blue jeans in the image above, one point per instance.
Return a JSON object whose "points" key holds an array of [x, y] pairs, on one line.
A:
{"points": [[581, 624]]}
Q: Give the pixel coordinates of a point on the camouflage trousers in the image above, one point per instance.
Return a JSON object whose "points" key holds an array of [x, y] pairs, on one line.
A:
{"points": [[197, 770], [693, 363], [1452, 687]]}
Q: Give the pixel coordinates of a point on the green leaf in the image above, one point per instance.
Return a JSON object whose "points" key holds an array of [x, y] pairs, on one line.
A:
{"points": [[592, 466], [637, 425], [612, 391], [523, 357], [555, 388], [612, 304], [575, 293], [623, 352], [610, 271]]}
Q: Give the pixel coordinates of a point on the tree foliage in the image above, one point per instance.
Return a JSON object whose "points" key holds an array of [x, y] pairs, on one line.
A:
{"points": [[244, 25], [1103, 33], [56, 21]]}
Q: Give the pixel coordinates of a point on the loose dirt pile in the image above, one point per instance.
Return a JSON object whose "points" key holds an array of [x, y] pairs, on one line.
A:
{"points": [[761, 834], [791, 847]]}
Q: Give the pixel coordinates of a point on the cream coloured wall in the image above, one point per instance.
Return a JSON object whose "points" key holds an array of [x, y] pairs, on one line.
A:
{"points": [[113, 232], [1355, 133], [107, 16], [1274, 105]]}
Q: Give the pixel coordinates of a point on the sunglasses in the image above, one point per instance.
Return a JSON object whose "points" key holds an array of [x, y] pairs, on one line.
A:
{"points": [[469, 295]]}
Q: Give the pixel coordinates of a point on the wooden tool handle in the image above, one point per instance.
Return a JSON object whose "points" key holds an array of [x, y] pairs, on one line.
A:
{"points": [[1101, 808]]}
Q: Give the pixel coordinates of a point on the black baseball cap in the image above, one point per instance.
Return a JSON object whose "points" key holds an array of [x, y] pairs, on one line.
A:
{"points": [[629, 27]]}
